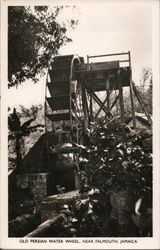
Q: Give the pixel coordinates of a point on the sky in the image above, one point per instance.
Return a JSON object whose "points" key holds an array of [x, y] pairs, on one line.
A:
{"points": [[104, 27]]}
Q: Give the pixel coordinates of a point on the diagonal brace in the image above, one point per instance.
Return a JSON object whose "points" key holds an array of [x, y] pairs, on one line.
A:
{"points": [[114, 102], [100, 103], [139, 98], [103, 103]]}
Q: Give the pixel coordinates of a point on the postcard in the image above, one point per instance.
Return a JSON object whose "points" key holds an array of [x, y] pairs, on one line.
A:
{"points": [[80, 124]]}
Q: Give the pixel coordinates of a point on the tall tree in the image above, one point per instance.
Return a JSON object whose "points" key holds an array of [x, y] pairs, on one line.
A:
{"points": [[34, 36], [145, 90]]}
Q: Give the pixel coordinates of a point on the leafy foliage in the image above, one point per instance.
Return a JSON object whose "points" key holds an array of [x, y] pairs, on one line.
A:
{"points": [[145, 90], [17, 132], [34, 37], [110, 165]]}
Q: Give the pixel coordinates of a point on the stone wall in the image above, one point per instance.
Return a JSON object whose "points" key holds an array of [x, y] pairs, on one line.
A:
{"points": [[39, 183], [122, 205], [53, 205]]}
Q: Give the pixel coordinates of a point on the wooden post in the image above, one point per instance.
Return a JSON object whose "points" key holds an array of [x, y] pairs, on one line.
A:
{"points": [[121, 105], [108, 93], [117, 96], [131, 93], [121, 102], [85, 107], [115, 102], [91, 108], [87, 62]]}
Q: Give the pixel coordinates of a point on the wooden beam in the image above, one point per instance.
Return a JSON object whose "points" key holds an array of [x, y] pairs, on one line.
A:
{"points": [[48, 227], [114, 102], [131, 94], [101, 107], [121, 102], [85, 107], [116, 54], [91, 108], [121, 105], [108, 93], [104, 104], [100, 103], [77, 117]]}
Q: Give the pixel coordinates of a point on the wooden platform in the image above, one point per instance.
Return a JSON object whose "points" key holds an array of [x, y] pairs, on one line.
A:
{"points": [[97, 75]]}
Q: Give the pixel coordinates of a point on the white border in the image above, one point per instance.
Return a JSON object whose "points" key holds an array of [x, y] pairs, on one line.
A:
{"points": [[14, 243]]}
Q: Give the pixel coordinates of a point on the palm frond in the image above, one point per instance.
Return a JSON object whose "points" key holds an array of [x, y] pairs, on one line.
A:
{"points": [[14, 121], [27, 123]]}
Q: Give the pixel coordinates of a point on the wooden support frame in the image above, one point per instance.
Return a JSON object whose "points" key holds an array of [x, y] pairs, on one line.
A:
{"points": [[107, 105], [77, 117], [91, 108], [131, 93], [104, 102], [101, 107], [121, 105], [121, 100], [111, 106], [114, 102], [100, 103], [108, 93], [85, 107]]}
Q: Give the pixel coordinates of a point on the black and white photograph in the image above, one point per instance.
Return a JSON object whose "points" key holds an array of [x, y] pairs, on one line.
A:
{"points": [[80, 124]]}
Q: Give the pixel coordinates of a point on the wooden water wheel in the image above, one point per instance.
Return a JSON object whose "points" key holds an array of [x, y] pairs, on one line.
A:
{"points": [[63, 113]]}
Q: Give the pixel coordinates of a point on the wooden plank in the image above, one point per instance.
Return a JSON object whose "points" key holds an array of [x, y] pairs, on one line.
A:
{"points": [[98, 66], [121, 106], [108, 93], [100, 86], [96, 80], [56, 75], [115, 54], [85, 108], [61, 65], [91, 108], [59, 88], [63, 149], [104, 65], [59, 117], [59, 102], [115, 101], [63, 58], [131, 93]]}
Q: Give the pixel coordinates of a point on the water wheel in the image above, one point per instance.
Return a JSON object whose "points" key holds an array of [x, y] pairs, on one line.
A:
{"points": [[64, 117]]}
